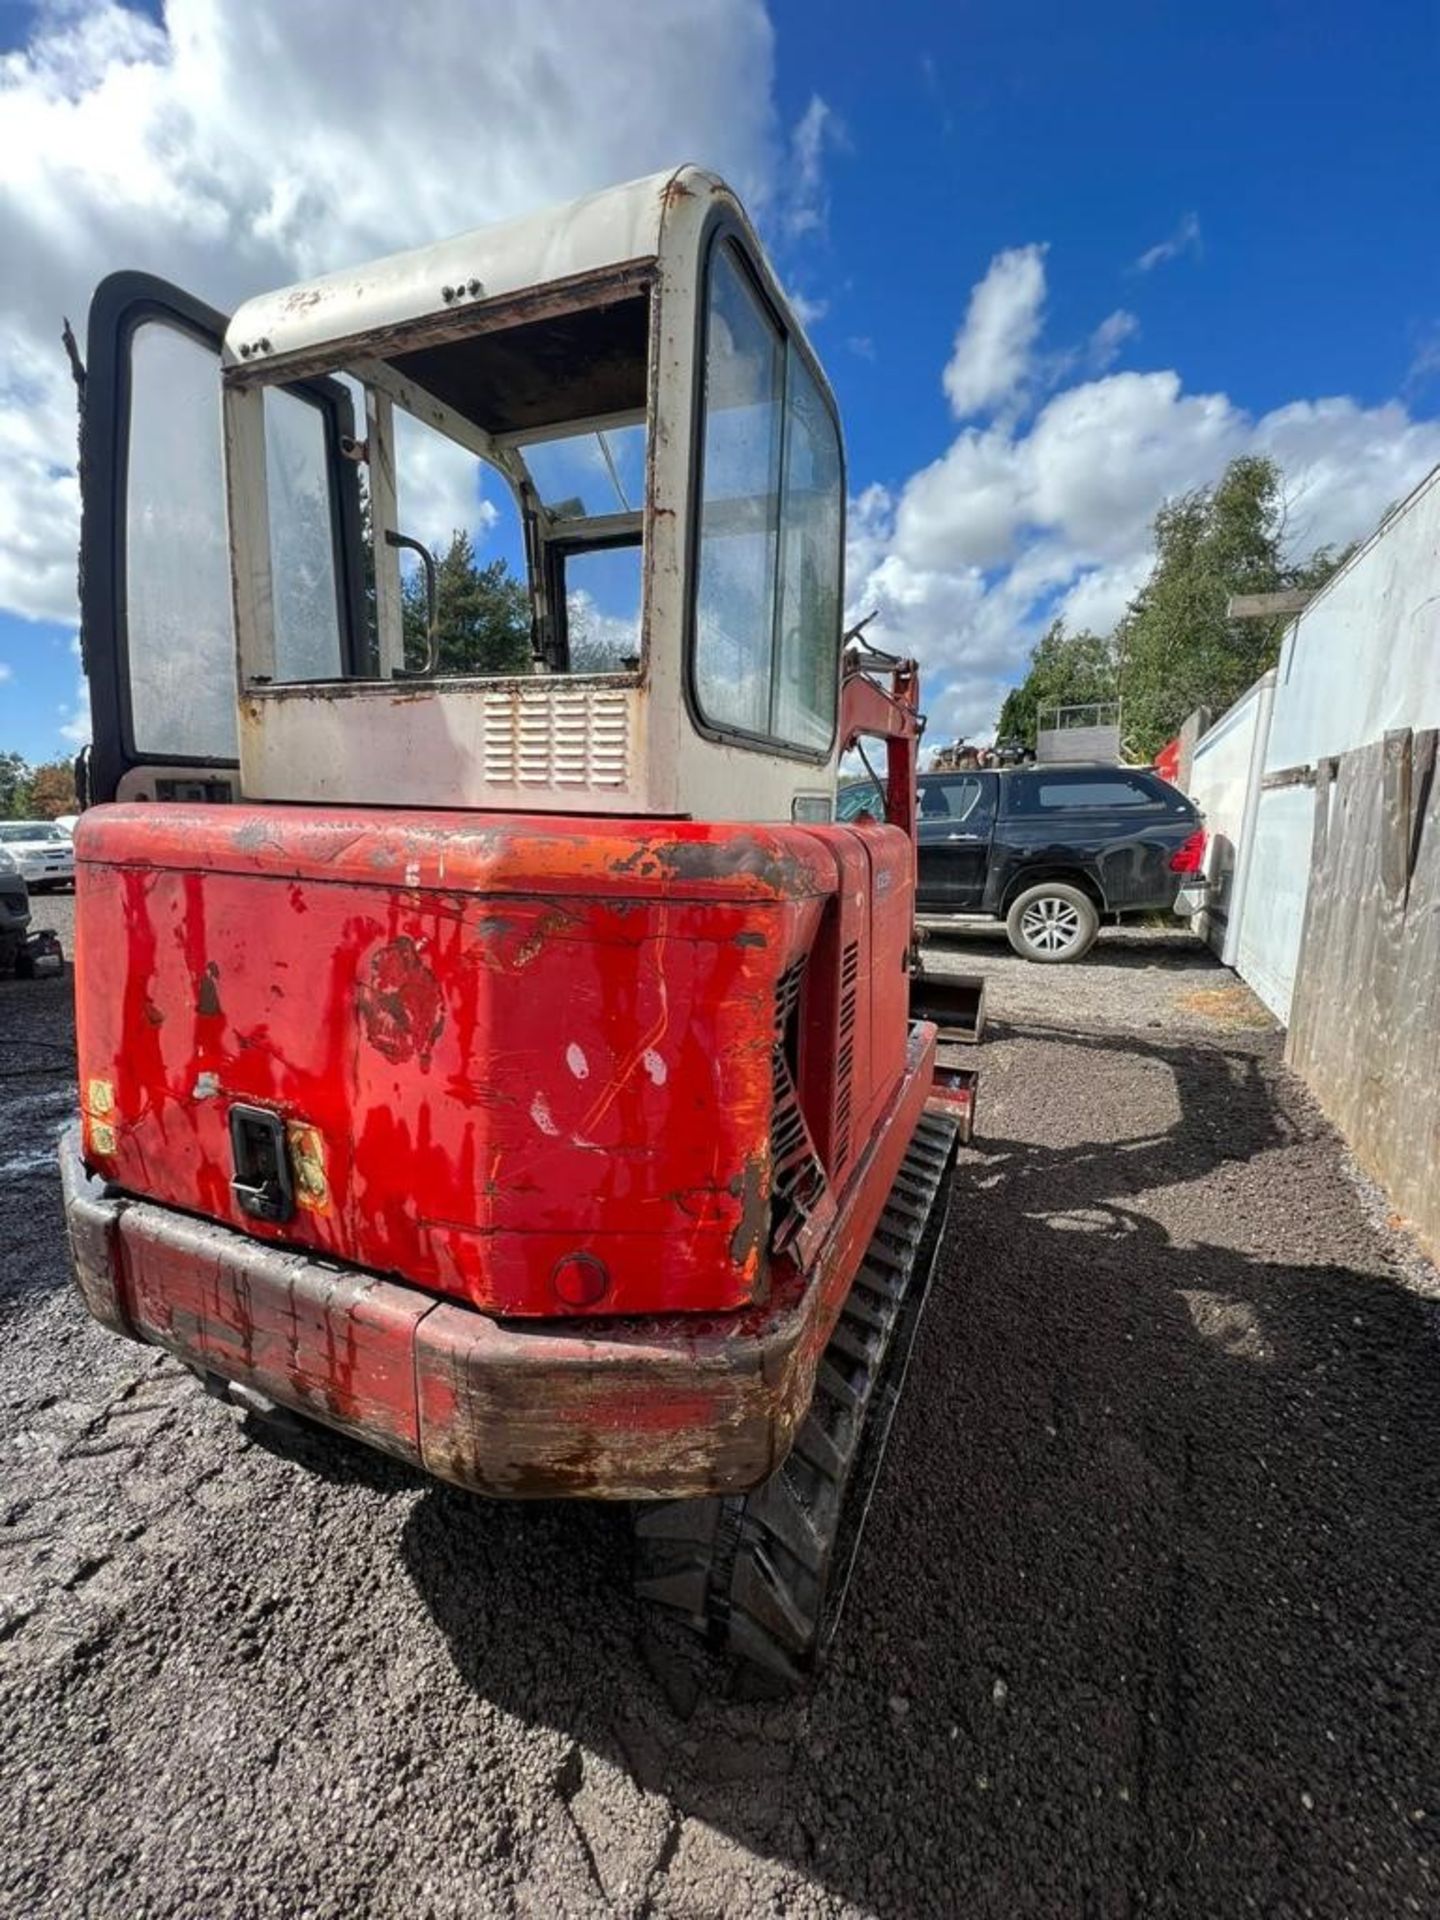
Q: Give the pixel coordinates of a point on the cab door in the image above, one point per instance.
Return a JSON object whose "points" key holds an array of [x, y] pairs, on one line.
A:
{"points": [[156, 620], [956, 822]]}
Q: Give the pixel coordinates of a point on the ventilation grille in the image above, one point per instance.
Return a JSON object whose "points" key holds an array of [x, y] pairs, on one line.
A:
{"points": [[845, 1057], [558, 736], [797, 1179]]}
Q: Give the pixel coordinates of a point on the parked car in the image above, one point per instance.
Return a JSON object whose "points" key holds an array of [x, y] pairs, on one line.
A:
{"points": [[1051, 850], [43, 851], [14, 912]]}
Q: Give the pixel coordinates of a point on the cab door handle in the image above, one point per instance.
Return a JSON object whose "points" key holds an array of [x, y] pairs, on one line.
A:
{"points": [[261, 1185]]}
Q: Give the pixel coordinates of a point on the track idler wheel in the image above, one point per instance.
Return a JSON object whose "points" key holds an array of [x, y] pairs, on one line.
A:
{"points": [[764, 1575]]}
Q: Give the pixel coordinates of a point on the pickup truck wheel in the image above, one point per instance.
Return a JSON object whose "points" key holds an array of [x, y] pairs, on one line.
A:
{"points": [[1052, 922]]}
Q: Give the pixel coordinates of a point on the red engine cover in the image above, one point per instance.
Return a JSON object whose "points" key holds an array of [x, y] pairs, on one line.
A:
{"points": [[496, 1042]]}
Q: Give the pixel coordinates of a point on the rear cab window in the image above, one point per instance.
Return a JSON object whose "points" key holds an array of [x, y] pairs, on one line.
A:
{"points": [[1106, 791]]}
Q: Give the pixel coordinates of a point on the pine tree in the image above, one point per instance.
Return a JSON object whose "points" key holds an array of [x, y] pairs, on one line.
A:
{"points": [[482, 614]]}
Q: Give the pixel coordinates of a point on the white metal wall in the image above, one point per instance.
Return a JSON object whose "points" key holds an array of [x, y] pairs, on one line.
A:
{"points": [[1363, 658], [1224, 783]]}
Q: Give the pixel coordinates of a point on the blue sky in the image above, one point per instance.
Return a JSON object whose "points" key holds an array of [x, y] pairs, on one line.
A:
{"points": [[1059, 261], [1299, 136]]}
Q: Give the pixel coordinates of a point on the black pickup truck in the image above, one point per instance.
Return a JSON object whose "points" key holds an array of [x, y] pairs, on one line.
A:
{"points": [[1050, 850]]}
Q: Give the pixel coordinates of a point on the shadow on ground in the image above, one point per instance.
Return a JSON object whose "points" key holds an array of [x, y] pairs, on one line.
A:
{"points": [[1146, 1618]]}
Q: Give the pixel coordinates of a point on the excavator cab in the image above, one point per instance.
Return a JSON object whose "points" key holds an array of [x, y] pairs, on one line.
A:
{"points": [[491, 1045], [616, 388]]}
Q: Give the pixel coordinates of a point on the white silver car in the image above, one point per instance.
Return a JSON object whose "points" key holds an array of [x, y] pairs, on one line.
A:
{"points": [[14, 911], [43, 851]]}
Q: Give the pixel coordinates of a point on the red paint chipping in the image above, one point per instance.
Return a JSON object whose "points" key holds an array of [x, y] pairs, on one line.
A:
{"points": [[401, 1005]]}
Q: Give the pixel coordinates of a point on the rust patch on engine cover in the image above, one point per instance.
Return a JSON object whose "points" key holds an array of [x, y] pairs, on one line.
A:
{"points": [[208, 994], [750, 1188], [401, 1006]]}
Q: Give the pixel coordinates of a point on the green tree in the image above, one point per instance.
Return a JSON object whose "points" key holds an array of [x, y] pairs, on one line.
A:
{"points": [[1177, 648], [1066, 670], [482, 614], [14, 786]]}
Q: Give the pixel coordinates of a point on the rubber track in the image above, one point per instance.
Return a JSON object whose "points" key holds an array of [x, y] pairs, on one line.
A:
{"points": [[764, 1575]]}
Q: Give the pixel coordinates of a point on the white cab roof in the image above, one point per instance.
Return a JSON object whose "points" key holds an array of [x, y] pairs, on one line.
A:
{"points": [[615, 228]]}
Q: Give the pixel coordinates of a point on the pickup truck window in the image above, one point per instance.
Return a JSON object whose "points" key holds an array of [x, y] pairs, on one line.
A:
{"points": [[949, 799], [1032, 792], [857, 797]]}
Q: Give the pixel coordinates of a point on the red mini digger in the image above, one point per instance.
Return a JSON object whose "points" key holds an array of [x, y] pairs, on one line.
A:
{"points": [[515, 1070]]}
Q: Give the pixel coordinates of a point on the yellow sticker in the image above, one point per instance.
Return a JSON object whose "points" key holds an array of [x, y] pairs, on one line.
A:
{"points": [[307, 1164], [102, 1138], [99, 1097]]}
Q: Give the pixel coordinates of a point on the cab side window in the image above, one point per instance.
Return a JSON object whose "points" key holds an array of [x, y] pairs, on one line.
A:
{"points": [[177, 551], [767, 592]]}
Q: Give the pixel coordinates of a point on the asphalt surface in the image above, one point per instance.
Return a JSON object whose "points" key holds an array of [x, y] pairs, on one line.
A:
{"points": [[1147, 1618]]}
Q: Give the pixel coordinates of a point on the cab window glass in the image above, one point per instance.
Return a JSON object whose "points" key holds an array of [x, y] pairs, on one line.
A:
{"points": [[464, 513], [179, 634], [585, 476], [739, 506], [602, 609], [767, 606], [302, 540], [805, 687]]}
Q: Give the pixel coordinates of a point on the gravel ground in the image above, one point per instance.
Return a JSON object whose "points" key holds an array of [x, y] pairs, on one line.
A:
{"points": [[1146, 1619], [1135, 977]]}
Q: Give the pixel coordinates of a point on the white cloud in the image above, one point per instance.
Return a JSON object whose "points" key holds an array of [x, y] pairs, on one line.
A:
{"points": [[1344, 464], [992, 349], [1425, 361], [806, 201], [75, 719], [806, 310], [611, 635], [968, 506], [1185, 239], [75, 726], [39, 494], [438, 488], [1102, 456], [247, 143], [1109, 338], [1100, 595], [1016, 521], [5, 672]]}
